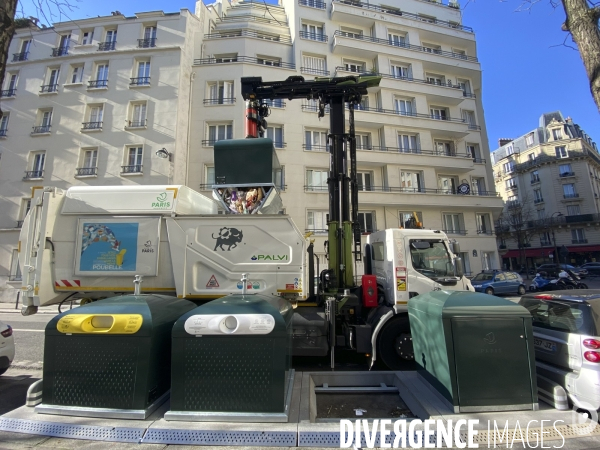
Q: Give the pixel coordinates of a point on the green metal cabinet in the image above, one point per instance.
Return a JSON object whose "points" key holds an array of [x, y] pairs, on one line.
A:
{"points": [[475, 349], [110, 358], [231, 360], [245, 162]]}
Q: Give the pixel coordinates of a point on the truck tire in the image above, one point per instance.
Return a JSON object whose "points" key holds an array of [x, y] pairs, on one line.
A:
{"points": [[394, 344]]}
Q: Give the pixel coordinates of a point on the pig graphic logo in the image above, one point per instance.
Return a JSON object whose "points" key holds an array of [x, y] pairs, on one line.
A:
{"points": [[228, 236]]}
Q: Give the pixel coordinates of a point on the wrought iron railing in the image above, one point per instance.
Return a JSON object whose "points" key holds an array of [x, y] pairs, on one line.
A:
{"points": [[136, 123], [49, 88], [249, 33], [567, 174], [136, 168], [8, 93], [91, 126], [572, 195], [2, 133], [219, 101], [60, 51], [455, 231], [31, 174], [139, 81], [106, 46], [316, 148], [147, 43], [397, 12], [313, 36], [312, 71], [41, 129], [245, 59], [86, 171], [20, 56], [313, 4], [97, 83]]}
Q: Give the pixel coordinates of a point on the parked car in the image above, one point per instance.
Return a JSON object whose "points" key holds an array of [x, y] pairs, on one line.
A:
{"points": [[554, 269], [494, 282], [593, 268], [7, 347], [566, 331]]}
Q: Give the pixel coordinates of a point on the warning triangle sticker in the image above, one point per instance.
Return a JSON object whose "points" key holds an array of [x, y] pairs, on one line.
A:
{"points": [[212, 283]]}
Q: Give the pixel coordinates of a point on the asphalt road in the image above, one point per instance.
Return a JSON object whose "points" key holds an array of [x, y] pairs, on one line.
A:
{"points": [[29, 337]]}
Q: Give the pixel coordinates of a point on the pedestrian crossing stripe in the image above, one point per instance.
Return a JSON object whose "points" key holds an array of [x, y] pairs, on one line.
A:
{"points": [[212, 283]]}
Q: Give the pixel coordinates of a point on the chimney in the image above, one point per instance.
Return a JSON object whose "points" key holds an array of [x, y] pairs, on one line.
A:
{"points": [[503, 141]]}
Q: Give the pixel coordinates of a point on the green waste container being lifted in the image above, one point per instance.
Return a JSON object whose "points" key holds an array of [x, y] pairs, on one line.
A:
{"points": [[475, 349], [110, 358], [231, 361]]}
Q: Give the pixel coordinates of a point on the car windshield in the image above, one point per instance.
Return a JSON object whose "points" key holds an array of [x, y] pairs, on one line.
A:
{"points": [[431, 258], [564, 316], [483, 277]]}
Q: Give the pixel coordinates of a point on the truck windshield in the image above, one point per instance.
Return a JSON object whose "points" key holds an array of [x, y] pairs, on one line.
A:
{"points": [[431, 258]]}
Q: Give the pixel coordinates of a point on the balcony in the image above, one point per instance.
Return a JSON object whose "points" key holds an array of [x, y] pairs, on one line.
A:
{"points": [[20, 56], [275, 103], [33, 174], [512, 187], [456, 231], [137, 168], [106, 46], [86, 172], [567, 174], [60, 51], [511, 204], [8, 93], [579, 241], [224, 34], [49, 88], [535, 180], [97, 84], [337, 9], [316, 148], [245, 59], [486, 231], [338, 34], [248, 18], [91, 126], [478, 160], [313, 4], [41, 129], [309, 188], [313, 36], [140, 81], [147, 43], [312, 71], [136, 124], [219, 101], [571, 195]]}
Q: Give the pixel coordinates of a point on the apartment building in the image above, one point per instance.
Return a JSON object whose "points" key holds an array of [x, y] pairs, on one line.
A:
{"points": [[550, 181], [90, 102], [422, 142]]}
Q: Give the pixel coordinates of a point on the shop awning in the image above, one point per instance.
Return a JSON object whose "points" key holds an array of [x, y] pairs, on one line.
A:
{"points": [[584, 248], [529, 253]]}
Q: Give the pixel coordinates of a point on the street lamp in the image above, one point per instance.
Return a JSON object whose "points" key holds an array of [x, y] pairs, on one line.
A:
{"points": [[558, 214]]}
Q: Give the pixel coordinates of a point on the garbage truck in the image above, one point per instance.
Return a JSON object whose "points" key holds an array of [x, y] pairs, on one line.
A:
{"points": [[90, 242]]}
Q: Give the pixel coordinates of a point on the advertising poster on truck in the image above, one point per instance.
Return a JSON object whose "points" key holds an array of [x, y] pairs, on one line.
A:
{"points": [[118, 247]]}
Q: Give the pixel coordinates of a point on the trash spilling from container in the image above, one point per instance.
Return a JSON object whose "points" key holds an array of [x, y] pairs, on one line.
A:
{"points": [[232, 361], [110, 358]]}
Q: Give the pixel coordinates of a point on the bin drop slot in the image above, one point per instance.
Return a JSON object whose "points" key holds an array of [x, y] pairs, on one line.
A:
{"points": [[102, 323]]}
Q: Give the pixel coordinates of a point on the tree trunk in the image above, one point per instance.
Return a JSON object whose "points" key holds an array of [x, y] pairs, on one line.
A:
{"points": [[582, 23], [7, 31]]}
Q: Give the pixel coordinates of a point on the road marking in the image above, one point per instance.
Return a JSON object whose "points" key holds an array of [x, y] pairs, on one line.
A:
{"points": [[23, 329]]}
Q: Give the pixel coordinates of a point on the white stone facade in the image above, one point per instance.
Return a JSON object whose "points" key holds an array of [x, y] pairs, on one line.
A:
{"points": [[421, 134]]}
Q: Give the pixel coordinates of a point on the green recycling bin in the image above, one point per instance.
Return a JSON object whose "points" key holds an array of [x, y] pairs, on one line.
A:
{"points": [[475, 349], [110, 358], [231, 361]]}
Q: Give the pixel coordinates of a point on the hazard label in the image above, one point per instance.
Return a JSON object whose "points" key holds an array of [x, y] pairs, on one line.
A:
{"points": [[212, 283], [401, 284]]}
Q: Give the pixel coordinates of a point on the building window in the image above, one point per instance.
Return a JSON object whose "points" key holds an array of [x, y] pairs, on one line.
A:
{"points": [[447, 184], [316, 180], [557, 134], [510, 184], [36, 168], [220, 93], [431, 48], [465, 85], [355, 66], [573, 210], [411, 181], [510, 149], [407, 218], [94, 117], [529, 140], [51, 80], [149, 39], [469, 118], [408, 143], [366, 221], [363, 141], [316, 140], [101, 80], [569, 191], [315, 65], [275, 103], [454, 223], [444, 148], [578, 236], [25, 207], [268, 61], [313, 32], [4, 124], [531, 157], [537, 196], [351, 32], [142, 76], [364, 181], [484, 225], [438, 113], [316, 221], [137, 115], [535, 177], [76, 73], [545, 239], [401, 71], [110, 41], [10, 84], [561, 152], [404, 106], [226, 58], [44, 121], [134, 160], [279, 178], [275, 133], [435, 79], [219, 132], [473, 150], [478, 186], [565, 170], [541, 214], [86, 37], [89, 163], [22, 56], [508, 167], [397, 39], [209, 176]]}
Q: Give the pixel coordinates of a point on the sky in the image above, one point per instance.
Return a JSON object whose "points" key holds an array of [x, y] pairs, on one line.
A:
{"points": [[528, 68]]}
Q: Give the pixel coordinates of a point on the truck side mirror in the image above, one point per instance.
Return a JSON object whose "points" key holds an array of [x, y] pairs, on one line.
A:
{"points": [[459, 269], [456, 248]]}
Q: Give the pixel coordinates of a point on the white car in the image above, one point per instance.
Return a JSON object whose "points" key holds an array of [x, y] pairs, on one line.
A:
{"points": [[7, 347]]}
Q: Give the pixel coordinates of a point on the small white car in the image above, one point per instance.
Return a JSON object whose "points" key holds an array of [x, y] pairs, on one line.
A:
{"points": [[566, 332], [7, 347]]}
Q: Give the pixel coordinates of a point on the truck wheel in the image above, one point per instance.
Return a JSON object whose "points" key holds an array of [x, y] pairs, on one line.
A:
{"points": [[394, 344]]}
